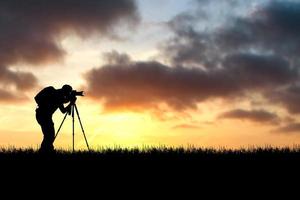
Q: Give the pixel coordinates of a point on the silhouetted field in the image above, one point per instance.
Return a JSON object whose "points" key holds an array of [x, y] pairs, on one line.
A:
{"points": [[161, 154], [156, 164]]}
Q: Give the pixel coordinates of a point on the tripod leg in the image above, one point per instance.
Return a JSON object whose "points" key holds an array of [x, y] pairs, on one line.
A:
{"points": [[60, 126], [87, 144], [73, 132]]}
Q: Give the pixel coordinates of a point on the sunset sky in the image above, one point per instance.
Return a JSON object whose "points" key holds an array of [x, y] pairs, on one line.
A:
{"points": [[207, 73]]}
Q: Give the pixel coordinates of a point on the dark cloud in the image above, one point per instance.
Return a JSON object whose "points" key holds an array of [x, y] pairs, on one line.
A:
{"points": [[143, 84], [261, 45], [273, 27], [130, 84], [290, 128], [189, 46], [259, 71], [14, 84], [288, 97], [115, 57], [254, 52], [20, 80], [260, 116], [7, 96], [31, 31]]}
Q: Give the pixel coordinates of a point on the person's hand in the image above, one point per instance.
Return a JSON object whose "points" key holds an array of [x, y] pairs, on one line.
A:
{"points": [[73, 100], [69, 109]]}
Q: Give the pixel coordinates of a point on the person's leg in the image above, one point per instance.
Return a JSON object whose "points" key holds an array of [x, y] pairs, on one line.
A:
{"points": [[47, 126], [49, 134]]}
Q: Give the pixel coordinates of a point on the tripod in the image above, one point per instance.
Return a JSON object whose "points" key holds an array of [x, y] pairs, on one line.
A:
{"points": [[73, 110]]}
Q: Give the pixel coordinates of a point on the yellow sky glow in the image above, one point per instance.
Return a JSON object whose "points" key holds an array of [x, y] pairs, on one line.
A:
{"points": [[127, 129]]}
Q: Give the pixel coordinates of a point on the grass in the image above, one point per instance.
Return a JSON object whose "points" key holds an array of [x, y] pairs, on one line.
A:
{"points": [[161, 163], [159, 153]]}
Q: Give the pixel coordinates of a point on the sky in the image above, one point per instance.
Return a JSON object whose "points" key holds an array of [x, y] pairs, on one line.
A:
{"points": [[201, 73]]}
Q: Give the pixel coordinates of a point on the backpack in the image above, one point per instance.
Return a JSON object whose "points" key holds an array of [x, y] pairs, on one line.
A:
{"points": [[44, 96]]}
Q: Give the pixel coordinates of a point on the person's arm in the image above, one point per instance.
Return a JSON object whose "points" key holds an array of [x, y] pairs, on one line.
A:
{"points": [[65, 109]]}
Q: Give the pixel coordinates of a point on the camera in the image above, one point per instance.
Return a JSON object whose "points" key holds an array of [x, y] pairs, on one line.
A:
{"points": [[77, 93], [74, 94]]}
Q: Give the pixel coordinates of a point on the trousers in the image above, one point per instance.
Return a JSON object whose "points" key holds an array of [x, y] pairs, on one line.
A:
{"points": [[45, 121]]}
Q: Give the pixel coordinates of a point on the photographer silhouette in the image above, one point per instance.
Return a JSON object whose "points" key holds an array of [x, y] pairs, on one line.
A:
{"points": [[49, 100]]}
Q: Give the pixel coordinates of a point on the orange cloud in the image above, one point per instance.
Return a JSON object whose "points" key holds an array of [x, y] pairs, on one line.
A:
{"points": [[144, 85]]}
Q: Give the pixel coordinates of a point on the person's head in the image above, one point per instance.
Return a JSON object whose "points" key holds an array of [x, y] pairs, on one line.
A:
{"points": [[66, 89]]}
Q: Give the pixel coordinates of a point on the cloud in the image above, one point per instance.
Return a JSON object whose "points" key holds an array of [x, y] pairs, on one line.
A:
{"points": [[137, 85], [32, 30], [288, 97], [260, 116], [290, 128], [273, 27], [22, 81], [7, 96], [267, 28], [250, 50], [115, 57], [134, 84], [261, 38], [259, 70]]}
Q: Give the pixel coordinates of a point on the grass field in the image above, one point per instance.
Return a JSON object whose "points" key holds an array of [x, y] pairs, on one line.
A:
{"points": [[161, 165], [158, 154]]}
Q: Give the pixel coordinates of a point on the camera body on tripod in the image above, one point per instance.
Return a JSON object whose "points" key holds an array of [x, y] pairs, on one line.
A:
{"points": [[74, 94]]}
